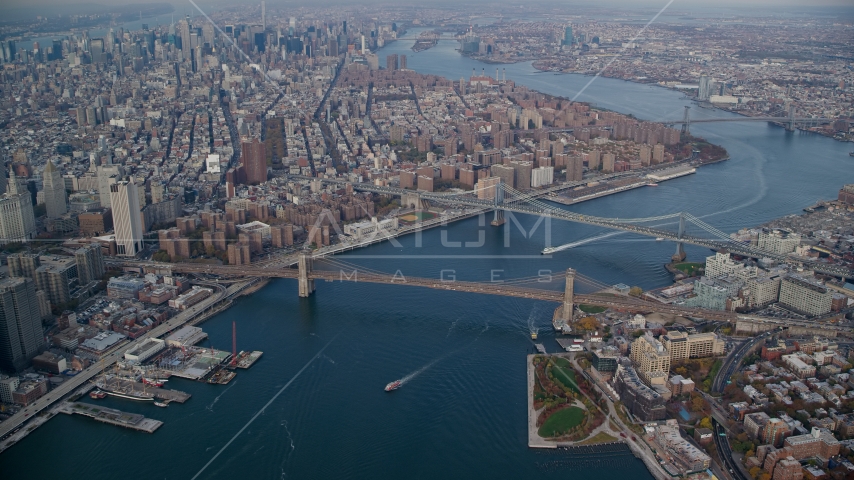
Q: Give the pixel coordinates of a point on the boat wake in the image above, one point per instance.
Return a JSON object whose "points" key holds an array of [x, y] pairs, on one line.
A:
{"points": [[532, 328], [291, 449], [411, 376], [451, 328], [210, 407]]}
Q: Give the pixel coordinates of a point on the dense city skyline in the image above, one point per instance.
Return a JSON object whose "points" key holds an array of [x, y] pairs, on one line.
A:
{"points": [[439, 235]]}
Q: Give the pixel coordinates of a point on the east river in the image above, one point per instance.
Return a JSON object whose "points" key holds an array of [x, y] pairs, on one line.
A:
{"points": [[465, 415]]}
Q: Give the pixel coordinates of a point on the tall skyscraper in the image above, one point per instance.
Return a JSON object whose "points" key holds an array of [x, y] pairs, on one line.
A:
{"points": [[264, 15], [391, 62], [567, 36], [17, 222], [126, 218], [21, 336], [253, 157], [184, 33], [705, 89], [107, 175], [54, 192], [7, 51], [90, 264], [403, 62]]}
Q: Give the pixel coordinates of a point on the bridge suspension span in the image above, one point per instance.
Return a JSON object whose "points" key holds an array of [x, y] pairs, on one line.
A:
{"points": [[502, 198]]}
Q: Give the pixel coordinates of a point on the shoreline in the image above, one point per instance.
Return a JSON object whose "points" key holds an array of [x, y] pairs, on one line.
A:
{"points": [[657, 84], [535, 441], [710, 106]]}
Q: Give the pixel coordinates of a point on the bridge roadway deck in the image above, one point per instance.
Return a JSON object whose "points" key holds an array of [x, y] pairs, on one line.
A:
{"points": [[488, 288], [746, 118], [519, 206], [621, 302]]}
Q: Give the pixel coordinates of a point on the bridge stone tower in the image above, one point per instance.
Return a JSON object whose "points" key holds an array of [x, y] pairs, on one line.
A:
{"points": [[306, 285], [568, 296], [410, 200]]}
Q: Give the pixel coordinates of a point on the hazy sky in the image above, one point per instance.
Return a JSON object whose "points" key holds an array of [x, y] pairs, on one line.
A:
{"points": [[678, 4]]}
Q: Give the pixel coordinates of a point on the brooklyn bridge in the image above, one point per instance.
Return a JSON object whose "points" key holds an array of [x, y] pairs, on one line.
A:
{"points": [[331, 269], [557, 288]]}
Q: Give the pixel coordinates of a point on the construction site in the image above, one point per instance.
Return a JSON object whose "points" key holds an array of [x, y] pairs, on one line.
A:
{"points": [[184, 360]]}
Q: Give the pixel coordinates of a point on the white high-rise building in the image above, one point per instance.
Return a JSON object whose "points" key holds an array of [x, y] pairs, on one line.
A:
{"points": [[107, 175], [17, 222], [705, 88], [126, 218], [54, 192], [779, 241], [722, 265], [805, 295], [541, 176]]}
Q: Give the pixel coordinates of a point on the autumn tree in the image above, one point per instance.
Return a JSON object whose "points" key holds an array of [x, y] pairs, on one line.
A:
{"points": [[698, 404], [588, 324]]}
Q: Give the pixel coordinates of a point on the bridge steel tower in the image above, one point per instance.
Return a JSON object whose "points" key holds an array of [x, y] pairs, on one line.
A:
{"points": [[498, 218], [680, 255], [686, 121], [568, 296], [790, 125], [306, 285]]}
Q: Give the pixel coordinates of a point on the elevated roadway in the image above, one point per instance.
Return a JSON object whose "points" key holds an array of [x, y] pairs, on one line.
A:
{"points": [[507, 289], [510, 288], [719, 419], [75, 382], [754, 119]]}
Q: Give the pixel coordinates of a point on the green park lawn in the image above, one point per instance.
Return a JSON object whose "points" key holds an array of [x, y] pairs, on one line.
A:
{"points": [[591, 308], [565, 374], [689, 268], [561, 421]]}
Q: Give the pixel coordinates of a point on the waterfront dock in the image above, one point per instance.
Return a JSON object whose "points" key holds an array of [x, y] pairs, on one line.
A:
{"points": [[249, 359], [112, 416], [219, 375], [658, 176], [139, 389]]}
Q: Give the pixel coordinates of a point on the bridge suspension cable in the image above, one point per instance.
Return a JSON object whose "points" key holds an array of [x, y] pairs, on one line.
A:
{"points": [[591, 281], [546, 208], [520, 281]]}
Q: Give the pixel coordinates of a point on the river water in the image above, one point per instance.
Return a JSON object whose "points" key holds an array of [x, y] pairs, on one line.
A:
{"points": [[465, 415]]}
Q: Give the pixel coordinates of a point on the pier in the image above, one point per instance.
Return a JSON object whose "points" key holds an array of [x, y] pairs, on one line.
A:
{"points": [[140, 389], [112, 416]]}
